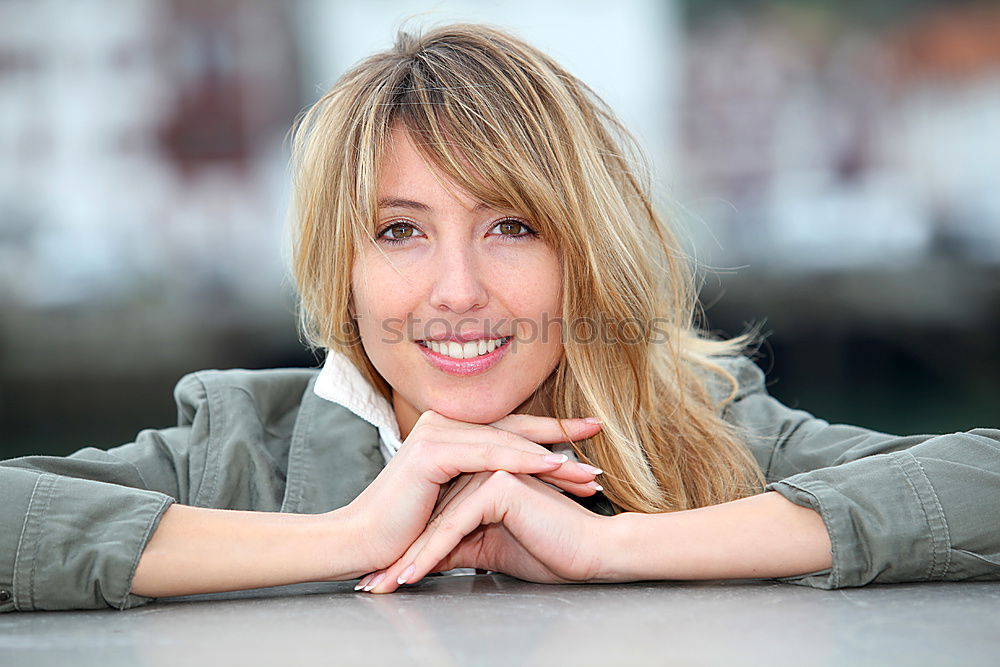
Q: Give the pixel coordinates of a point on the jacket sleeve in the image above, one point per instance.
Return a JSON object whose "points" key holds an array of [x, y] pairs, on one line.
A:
{"points": [[917, 508], [72, 529]]}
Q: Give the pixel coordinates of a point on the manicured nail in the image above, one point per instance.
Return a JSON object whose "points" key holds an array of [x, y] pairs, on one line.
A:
{"points": [[589, 468], [375, 582], [361, 584], [593, 420], [407, 573], [595, 486], [555, 458]]}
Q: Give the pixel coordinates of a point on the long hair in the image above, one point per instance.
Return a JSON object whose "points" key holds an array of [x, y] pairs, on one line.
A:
{"points": [[515, 130]]}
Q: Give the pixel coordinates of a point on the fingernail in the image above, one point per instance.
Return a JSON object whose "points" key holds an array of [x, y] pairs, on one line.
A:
{"points": [[375, 582], [593, 420], [407, 573], [361, 584], [555, 458], [589, 468], [595, 486]]}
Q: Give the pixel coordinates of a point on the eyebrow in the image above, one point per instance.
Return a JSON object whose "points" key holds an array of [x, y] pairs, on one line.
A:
{"points": [[394, 202]]}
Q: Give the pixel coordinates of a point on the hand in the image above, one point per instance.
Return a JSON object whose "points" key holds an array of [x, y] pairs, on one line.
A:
{"points": [[395, 508], [508, 523]]}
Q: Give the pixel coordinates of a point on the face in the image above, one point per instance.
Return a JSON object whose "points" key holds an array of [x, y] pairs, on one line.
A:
{"points": [[452, 301]]}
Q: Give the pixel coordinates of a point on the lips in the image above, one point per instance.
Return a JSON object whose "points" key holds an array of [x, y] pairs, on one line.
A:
{"points": [[473, 365]]}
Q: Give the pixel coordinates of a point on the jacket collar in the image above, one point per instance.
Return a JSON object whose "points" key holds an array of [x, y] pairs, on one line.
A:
{"points": [[344, 435], [332, 457], [341, 382]]}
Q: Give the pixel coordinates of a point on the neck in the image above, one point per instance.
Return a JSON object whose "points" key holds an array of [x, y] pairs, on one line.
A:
{"points": [[406, 415]]}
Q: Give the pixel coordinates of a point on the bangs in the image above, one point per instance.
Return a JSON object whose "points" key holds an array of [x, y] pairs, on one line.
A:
{"points": [[466, 114]]}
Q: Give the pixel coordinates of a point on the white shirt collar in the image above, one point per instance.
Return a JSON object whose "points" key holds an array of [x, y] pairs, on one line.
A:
{"points": [[341, 382]]}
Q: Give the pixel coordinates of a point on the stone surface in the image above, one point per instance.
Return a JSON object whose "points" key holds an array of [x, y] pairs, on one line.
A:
{"points": [[496, 620]]}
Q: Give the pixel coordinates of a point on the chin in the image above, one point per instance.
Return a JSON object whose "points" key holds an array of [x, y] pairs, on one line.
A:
{"points": [[473, 414]]}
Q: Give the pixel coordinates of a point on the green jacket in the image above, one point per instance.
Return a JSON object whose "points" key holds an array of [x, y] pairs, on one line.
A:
{"points": [[72, 529]]}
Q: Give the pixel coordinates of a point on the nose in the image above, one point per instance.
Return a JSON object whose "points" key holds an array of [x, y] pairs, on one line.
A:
{"points": [[459, 285]]}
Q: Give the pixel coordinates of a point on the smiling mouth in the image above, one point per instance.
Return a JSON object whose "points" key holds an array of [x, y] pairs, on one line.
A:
{"points": [[469, 350]]}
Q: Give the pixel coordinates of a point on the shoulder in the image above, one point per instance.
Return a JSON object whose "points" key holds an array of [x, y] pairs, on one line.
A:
{"points": [[265, 393], [241, 426]]}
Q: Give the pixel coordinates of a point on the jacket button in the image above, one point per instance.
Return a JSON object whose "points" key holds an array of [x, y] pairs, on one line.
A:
{"points": [[4, 595]]}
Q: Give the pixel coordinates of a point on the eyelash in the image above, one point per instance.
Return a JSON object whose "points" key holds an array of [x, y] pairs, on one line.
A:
{"points": [[509, 238]]}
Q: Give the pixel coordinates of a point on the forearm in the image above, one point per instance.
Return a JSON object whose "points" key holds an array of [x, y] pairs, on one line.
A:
{"points": [[197, 550], [761, 536]]}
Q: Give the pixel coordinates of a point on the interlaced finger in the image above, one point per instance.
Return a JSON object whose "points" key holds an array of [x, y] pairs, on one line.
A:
{"points": [[478, 504]]}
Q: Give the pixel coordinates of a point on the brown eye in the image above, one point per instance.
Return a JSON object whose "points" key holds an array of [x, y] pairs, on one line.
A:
{"points": [[397, 233], [510, 227], [401, 231], [513, 230]]}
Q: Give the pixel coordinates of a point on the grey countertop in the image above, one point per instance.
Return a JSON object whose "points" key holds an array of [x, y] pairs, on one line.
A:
{"points": [[496, 620]]}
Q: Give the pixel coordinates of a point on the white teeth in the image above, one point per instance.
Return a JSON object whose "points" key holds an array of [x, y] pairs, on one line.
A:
{"points": [[457, 350]]}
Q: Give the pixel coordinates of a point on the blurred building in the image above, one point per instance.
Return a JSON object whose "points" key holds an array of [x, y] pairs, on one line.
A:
{"points": [[835, 146], [847, 165], [141, 170]]}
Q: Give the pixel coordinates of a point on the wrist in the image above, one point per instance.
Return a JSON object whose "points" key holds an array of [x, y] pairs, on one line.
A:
{"points": [[638, 547], [342, 545]]}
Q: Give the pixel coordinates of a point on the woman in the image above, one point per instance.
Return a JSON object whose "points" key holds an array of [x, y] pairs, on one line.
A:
{"points": [[477, 251]]}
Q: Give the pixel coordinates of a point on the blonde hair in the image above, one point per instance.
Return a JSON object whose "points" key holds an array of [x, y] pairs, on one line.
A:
{"points": [[516, 131]]}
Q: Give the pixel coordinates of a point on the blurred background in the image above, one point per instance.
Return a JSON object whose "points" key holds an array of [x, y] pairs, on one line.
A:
{"points": [[835, 167]]}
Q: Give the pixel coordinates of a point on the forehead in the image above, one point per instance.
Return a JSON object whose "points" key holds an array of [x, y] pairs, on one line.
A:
{"points": [[407, 178]]}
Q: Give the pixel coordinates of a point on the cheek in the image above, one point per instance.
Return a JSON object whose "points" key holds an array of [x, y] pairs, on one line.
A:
{"points": [[537, 306], [377, 290], [385, 299], [550, 300], [369, 309], [540, 287]]}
